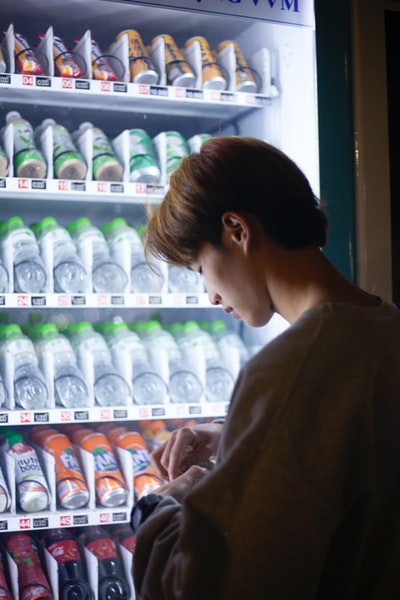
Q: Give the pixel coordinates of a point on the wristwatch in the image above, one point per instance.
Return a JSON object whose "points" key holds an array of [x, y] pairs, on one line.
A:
{"points": [[143, 509]]}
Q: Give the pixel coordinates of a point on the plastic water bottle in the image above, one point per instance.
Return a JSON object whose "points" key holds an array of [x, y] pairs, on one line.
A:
{"points": [[94, 358], [58, 361], [232, 349], [131, 360], [3, 278], [20, 245], [183, 384], [59, 252], [107, 275], [197, 345], [20, 363], [126, 248], [183, 280]]}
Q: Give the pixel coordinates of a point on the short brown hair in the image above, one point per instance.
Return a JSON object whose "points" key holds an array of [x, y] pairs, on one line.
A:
{"points": [[241, 174]]}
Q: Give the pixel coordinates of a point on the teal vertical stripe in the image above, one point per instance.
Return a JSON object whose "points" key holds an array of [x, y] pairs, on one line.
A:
{"points": [[335, 121]]}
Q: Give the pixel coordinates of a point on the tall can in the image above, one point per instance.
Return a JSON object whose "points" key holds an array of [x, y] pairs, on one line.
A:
{"points": [[110, 485], [178, 70], [141, 68], [246, 79], [71, 486], [212, 76], [143, 159]]}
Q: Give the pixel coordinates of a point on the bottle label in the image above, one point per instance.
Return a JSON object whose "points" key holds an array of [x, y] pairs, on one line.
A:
{"points": [[27, 465], [64, 551], [103, 548]]}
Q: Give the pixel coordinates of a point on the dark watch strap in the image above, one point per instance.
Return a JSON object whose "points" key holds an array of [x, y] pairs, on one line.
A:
{"points": [[143, 509]]}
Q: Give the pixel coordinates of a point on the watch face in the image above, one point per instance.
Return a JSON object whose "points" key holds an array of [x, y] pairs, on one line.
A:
{"points": [[143, 509]]}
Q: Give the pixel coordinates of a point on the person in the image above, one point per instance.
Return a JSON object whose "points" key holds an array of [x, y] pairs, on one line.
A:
{"points": [[304, 499]]}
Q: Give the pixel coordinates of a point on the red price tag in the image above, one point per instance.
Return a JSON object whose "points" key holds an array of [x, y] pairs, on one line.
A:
{"points": [[105, 86], [65, 520], [144, 90], [28, 80]]}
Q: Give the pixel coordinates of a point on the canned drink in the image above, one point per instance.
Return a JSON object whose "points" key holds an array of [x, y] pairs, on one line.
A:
{"points": [[177, 68], [64, 61], [177, 148], [143, 159], [26, 61], [211, 74], [141, 68], [110, 485], [245, 77], [101, 68], [105, 165], [72, 490]]}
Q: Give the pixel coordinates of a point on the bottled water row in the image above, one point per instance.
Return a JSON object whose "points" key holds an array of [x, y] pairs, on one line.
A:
{"points": [[117, 364], [79, 258]]}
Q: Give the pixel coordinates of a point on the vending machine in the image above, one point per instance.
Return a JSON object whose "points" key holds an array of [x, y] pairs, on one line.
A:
{"points": [[99, 102]]}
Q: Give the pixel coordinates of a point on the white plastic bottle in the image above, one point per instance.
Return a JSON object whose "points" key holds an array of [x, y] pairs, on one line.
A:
{"points": [[19, 364], [184, 281], [107, 275], [131, 360], [232, 349], [18, 242], [183, 383], [95, 360], [3, 278], [126, 248], [59, 252], [58, 362], [197, 345], [33, 494]]}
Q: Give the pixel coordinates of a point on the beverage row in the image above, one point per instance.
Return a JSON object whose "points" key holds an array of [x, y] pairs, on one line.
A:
{"points": [[117, 364], [68, 564], [50, 150], [128, 58], [75, 466], [81, 258]]}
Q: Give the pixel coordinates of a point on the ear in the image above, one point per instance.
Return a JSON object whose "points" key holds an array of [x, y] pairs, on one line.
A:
{"points": [[236, 229]]}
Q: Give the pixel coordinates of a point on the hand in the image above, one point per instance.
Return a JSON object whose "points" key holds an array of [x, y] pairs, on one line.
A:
{"points": [[185, 447], [182, 485]]}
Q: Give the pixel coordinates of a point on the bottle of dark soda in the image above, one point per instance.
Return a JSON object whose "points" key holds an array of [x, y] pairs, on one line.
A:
{"points": [[72, 572], [5, 593], [112, 579]]}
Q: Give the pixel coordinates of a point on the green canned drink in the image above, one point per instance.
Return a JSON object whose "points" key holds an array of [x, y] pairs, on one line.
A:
{"points": [[143, 160], [177, 148]]}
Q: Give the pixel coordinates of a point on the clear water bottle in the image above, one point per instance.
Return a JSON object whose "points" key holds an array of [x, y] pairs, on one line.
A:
{"points": [[58, 248], [233, 351], [126, 248], [107, 275], [18, 358], [19, 242], [3, 278], [58, 361], [95, 361], [198, 345], [183, 384], [184, 281], [131, 360]]}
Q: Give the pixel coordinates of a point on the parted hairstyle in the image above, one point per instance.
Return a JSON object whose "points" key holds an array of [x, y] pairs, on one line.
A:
{"points": [[234, 173]]}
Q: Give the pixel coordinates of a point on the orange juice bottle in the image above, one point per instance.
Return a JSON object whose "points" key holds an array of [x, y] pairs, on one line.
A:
{"points": [[110, 485], [72, 490]]}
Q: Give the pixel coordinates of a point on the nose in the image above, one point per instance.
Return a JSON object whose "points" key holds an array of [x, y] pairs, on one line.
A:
{"points": [[215, 299]]}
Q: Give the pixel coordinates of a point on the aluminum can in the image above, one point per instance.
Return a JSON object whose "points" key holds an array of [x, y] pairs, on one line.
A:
{"points": [[179, 72], [110, 485], [143, 159], [245, 77], [141, 68], [211, 74], [177, 149], [72, 490]]}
